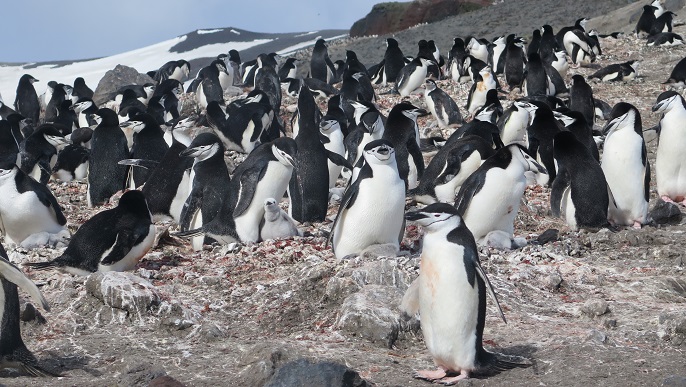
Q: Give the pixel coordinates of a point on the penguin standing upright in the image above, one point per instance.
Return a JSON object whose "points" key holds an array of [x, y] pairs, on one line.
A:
{"points": [[267, 80], [514, 122], [148, 144], [581, 99], [489, 199], [108, 147], [332, 138], [579, 192], [412, 76], [402, 133], [670, 163], [451, 298], [81, 90], [536, 81], [456, 58], [540, 133], [441, 105], [626, 167], [394, 60], [175, 69], [372, 208], [497, 54], [515, 62], [26, 102], [111, 240], [483, 83], [288, 70], [27, 207], [321, 66], [38, 152], [575, 122], [13, 351], [234, 61], [210, 87]]}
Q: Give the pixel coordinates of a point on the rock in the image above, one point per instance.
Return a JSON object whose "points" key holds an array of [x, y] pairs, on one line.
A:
{"points": [[665, 213], [549, 235], [372, 313], [595, 307], [302, 372], [672, 327], [376, 251], [115, 79], [124, 291], [140, 375], [381, 271], [553, 281], [165, 381], [389, 17], [261, 361], [674, 381], [597, 336], [30, 313]]}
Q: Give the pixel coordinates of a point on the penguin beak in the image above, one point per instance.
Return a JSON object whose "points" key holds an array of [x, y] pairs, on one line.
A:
{"points": [[189, 152], [421, 112], [415, 216], [660, 106], [612, 125]]}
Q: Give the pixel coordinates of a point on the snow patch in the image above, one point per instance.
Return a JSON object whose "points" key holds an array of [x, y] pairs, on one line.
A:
{"points": [[203, 32]]}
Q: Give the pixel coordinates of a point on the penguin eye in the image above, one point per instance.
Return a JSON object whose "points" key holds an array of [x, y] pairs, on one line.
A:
{"points": [[437, 215]]}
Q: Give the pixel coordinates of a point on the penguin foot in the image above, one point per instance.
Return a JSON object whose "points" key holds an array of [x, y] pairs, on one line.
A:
{"points": [[667, 199], [637, 225], [453, 379], [430, 375]]}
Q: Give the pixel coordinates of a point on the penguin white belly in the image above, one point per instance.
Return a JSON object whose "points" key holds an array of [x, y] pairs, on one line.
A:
{"points": [[455, 72], [130, 260], [514, 130], [625, 175], [182, 192], [81, 172], [446, 192], [200, 96], [246, 143], [335, 145], [272, 185], [568, 209], [225, 80], [478, 99], [83, 121], [413, 174], [432, 109], [670, 160], [35, 172], [414, 80], [376, 217], [24, 215], [495, 206], [448, 305]]}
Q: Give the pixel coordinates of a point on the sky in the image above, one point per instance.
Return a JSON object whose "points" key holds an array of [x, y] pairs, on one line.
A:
{"points": [[46, 30]]}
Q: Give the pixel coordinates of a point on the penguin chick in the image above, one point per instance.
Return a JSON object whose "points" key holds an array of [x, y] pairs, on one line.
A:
{"points": [[276, 223]]}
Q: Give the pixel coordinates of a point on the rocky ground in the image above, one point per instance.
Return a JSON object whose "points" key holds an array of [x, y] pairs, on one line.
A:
{"points": [[592, 308]]}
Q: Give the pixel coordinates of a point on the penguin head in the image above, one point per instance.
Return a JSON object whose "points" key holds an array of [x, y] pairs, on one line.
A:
{"points": [[106, 116], [284, 149], [149, 89], [133, 201], [409, 110], [436, 216], [667, 100], [7, 170], [327, 127], [221, 66], [204, 146], [81, 105], [565, 144], [134, 124], [486, 113], [623, 116], [222, 57], [379, 152], [53, 136], [28, 78], [564, 118], [430, 85], [390, 42], [234, 56], [561, 55], [271, 205], [68, 90]]}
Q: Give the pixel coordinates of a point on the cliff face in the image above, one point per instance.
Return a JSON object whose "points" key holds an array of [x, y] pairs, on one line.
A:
{"points": [[385, 18]]}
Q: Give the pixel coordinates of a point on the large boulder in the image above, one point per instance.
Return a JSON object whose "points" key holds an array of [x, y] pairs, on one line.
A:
{"points": [[117, 78], [302, 372], [123, 291]]}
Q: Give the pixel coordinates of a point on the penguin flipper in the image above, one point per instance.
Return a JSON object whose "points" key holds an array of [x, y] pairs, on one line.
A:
{"points": [[190, 233], [126, 239], [247, 186], [14, 275], [560, 184], [338, 159], [348, 200], [48, 199], [471, 187], [417, 157], [147, 164], [489, 287]]}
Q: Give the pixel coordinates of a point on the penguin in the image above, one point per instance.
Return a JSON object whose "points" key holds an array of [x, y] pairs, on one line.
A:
{"points": [[234, 61], [471, 66], [579, 193], [9, 147], [478, 49], [626, 167], [658, 9], [483, 82], [575, 122], [560, 63], [175, 69], [27, 207], [368, 126], [242, 129], [536, 81], [394, 61], [13, 351], [143, 92], [451, 299], [556, 82], [489, 199], [412, 76], [248, 73], [264, 174], [72, 164], [267, 80], [577, 39], [662, 23], [540, 133], [111, 240], [581, 99], [645, 22], [450, 167], [38, 152], [535, 43], [321, 66], [665, 39], [276, 224], [515, 62], [332, 138], [497, 54], [372, 209], [60, 93], [210, 88], [288, 70], [130, 105], [401, 131], [548, 44], [308, 188], [594, 42], [456, 58], [617, 72], [442, 107], [579, 24], [5, 110], [677, 78], [514, 122], [81, 90], [148, 144], [108, 147], [670, 164], [26, 100], [83, 108]]}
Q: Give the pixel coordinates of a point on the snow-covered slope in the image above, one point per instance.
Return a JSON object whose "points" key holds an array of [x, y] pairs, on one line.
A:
{"points": [[198, 47]]}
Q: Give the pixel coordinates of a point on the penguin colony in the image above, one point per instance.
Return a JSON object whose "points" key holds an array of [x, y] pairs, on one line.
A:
{"points": [[525, 122]]}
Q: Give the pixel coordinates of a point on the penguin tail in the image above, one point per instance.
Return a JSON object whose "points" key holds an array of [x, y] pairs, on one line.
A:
{"points": [[495, 363], [190, 233], [35, 370], [42, 265]]}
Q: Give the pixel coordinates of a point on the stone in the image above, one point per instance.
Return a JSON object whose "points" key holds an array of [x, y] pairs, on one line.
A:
{"points": [[115, 79], [261, 361], [553, 281], [140, 374], [549, 235], [597, 336], [382, 250], [165, 381], [372, 313], [302, 372], [124, 291], [595, 307], [665, 213], [674, 381]]}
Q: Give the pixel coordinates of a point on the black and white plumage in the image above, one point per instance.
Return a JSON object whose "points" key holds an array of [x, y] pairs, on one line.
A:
{"points": [[394, 61], [289, 69], [536, 81], [148, 144], [403, 134], [72, 163], [38, 152], [267, 80], [665, 39], [663, 23], [26, 100], [515, 61], [412, 76], [575, 122], [321, 66], [646, 21], [450, 296], [441, 105], [210, 88], [670, 163], [13, 351], [484, 82], [581, 99], [175, 69], [81, 89], [617, 72], [111, 240], [677, 78], [626, 166], [108, 147], [579, 193]]}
